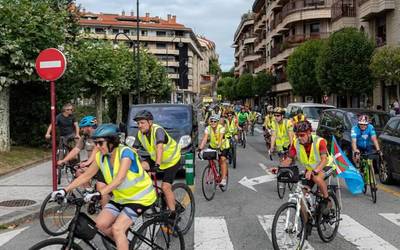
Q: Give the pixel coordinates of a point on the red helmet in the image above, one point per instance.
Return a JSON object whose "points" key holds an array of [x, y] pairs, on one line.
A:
{"points": [[363, 120]]}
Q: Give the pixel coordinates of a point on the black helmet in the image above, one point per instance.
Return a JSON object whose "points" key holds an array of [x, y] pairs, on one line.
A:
{"points": [[143, 115], [302, 126]]}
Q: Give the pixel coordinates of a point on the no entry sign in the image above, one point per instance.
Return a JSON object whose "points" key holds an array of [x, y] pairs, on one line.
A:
{"points": [[51, 64]]}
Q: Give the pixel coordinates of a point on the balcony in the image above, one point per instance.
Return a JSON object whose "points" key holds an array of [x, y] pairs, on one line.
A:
{"points": [[249, 40], [300, 38], [342, 9], [251, 57], [370, 8], [260, 44]]}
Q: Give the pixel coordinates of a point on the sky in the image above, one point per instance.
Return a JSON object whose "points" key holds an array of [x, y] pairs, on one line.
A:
{"points": [[217, 20]]}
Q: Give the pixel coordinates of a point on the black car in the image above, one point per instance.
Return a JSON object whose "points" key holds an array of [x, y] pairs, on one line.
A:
{"points": [[339, 122], [390, 144], [179, 120]]}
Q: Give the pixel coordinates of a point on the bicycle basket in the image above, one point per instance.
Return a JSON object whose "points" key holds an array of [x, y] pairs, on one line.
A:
{"points": [[85, 228], [209, 154], [288, 174]]}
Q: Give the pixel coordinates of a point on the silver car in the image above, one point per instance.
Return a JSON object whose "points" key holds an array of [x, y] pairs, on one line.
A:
{"points": [[311, 111]]}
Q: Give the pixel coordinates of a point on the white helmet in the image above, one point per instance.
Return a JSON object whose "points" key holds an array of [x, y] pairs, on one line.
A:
{"points": [[214, 117]]}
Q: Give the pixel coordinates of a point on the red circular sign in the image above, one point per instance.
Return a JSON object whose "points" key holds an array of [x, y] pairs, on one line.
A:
{"points": [[51, 64]]}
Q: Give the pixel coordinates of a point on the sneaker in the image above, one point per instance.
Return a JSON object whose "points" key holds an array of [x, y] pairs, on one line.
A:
{"points": [[223, 183]]}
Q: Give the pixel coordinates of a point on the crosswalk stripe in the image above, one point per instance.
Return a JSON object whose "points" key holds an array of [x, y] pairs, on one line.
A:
{"points": [[266, 223], [394, 218], [211, 233], [5, 237], [361, 236]]}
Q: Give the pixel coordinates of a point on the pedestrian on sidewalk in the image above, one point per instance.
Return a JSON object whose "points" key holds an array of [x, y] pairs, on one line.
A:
{"points": [[66, 123]]}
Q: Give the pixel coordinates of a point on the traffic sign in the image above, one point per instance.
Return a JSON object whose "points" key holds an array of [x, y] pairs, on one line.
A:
{"points": [[51, 64]]}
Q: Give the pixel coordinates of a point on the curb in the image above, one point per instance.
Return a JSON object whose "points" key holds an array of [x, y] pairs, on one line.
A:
{"points": [[19, 217], [24, 167]]}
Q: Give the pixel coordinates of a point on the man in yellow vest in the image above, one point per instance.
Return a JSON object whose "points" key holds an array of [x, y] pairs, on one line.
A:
{"points": [[165, 153], [130, 185], [281, 131], [311, 152], [216, 133], [231, 125], [299, 117]]}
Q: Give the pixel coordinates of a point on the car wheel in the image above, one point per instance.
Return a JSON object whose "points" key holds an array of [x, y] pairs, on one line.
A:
{"points": [[385, 176]]}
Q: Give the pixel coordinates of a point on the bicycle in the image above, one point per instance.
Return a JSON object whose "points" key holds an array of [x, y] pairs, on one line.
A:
{"points": [[211, 176], [283, 174], [232, 151], [302, 212], [252, 124], [84, 228], [368, 173], [63, 149], [267, 138], [242, 136]]}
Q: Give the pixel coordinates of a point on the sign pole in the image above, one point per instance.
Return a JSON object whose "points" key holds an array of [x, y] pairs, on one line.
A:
{"points": [[53, 133]]}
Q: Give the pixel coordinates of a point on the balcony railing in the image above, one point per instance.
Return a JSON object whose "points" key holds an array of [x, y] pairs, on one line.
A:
{"points": [[361, 2], [342, 9], [294, 6], [300, 38]]}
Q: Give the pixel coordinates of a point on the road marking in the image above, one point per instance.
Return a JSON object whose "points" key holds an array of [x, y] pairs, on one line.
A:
{"points": [[258, 130], [266, 223], [211, 233], [250, 183], [388, 190], [6, 237], [50, 64], [361, 236], [394, 218]]}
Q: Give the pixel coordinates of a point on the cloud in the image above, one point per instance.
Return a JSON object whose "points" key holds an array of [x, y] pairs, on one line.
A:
{"points": [[215, 19]]}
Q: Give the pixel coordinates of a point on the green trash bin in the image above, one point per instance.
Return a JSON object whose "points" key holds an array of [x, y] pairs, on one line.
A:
{"points": [[189, 169]]}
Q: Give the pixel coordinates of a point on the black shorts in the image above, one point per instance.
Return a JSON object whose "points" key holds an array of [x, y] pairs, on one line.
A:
{"points": [[99, 176], [169, 174], [310, 183], [223, 152]]}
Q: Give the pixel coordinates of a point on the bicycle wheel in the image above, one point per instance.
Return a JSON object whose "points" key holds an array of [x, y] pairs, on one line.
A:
{"points": [[328, 224], [281, 188], [244, 140], [157, 234], [54, 217], [285, 233], [208, 184], [55, 243], [185, 206], [234, 155], [372, 182], [290, 185]]}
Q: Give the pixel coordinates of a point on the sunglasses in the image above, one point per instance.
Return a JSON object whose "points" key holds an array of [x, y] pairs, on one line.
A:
{"points": [[99, 143], [277, 115], [213, 121], [301, 134]]}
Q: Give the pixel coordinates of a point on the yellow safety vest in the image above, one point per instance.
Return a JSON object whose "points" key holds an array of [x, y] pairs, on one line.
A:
{"points": [[253, 116], [311, 162], [171, 151], [269, 121], [298, 118], [231, 127], [214, 137], [136, 187], [281, 131]]}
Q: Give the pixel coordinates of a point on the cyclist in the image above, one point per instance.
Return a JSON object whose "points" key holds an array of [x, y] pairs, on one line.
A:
{"points": [[252, 117], [363, 136], [298, 117], [216, 133], [231, 125], [131, 187], [281, 131], [243, 118], [311, 151], [66, 123], [165, 154]]}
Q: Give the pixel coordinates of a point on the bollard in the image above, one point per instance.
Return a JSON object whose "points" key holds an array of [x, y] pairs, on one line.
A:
{"points": [[189, 169]]}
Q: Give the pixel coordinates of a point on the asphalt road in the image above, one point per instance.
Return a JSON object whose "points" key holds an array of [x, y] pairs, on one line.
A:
{"points": [[241, 217]]}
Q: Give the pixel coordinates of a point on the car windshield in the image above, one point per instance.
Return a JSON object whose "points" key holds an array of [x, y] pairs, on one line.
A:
{"points": [[168, 117], [313, 112], [377, 120]]}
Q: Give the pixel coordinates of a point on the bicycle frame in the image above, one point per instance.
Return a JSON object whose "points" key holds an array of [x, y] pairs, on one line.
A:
{"points": [[215, 171], [298, 198]]}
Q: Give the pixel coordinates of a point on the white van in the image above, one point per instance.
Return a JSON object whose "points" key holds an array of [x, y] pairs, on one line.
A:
{"points": [[312, 111]]}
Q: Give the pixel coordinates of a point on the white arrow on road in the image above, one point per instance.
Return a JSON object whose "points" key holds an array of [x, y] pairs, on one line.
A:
{"points": [[250, 183]]}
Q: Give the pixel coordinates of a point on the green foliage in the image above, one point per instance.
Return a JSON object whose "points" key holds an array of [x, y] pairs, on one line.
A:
{"points": [[342, 66], [301, 69], [227, 88], [214, 67], [262, 83], [244, 86], [385, 64]]}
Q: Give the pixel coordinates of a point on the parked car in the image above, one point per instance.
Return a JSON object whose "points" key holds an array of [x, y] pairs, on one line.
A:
{"points": [[312, 111], [179, 120], [339, 122], [390, 144]]}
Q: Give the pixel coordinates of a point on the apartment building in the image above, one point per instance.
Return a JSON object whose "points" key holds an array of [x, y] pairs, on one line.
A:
{"points": [[175, 45], [208, 81]]}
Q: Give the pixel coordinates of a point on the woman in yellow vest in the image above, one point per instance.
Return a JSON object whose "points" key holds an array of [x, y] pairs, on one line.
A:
{"points": [[281, 131], [165, 154], [130, 185], [216, 132]]}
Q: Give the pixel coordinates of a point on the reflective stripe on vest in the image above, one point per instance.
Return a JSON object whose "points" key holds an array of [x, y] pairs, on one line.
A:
{"points": [[310, 162], [214, 137]]}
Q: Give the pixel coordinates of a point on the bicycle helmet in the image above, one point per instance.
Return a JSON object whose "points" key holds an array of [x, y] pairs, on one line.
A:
{"points": [[107, 130], [279, 110], [143, 115], [214, 118], [270, 108], [302, 126], [363, 120], [88, 121]]}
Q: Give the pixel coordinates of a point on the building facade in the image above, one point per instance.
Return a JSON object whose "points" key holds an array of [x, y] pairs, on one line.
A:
{"points": [[175, 45], [208, 79]]}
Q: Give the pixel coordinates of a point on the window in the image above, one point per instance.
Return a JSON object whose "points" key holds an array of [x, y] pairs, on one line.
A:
{"points": [[115, 31], [391, 127], [161, 33], [327, 119], [314, 28], [87, 29], [126, 31], [161, 46], [133, 33], [179, 33], [144, 32], [100, 31]]}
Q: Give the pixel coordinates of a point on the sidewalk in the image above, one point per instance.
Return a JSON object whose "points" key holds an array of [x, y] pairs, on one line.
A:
{"points": [[27, 188]]}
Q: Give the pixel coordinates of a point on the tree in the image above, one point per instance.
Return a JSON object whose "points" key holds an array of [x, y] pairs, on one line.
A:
{"points": [[301, 69], [27, 27], [262, 83], [214, 67], [343, 64], [385, 64], [244, 86]]}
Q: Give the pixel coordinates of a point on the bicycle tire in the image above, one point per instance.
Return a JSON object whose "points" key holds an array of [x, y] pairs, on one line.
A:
{"points": [[59, 170], [302, 233], [184, 225], [244, 140], [207, 174], [363, 176], [55, 241], [336, 218], [234, 155], [150, 228], [281, 188], [372, 183], [290, 185], [58, 216]]}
